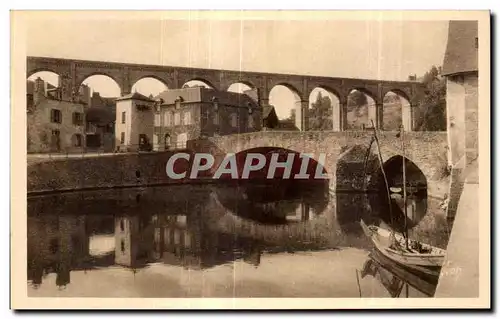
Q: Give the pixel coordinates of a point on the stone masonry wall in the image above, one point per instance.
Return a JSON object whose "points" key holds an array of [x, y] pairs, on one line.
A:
{"points": [[119, 170]]}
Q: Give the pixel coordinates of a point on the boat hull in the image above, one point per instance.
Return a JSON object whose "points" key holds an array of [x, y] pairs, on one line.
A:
{"points": [[381, 240]]}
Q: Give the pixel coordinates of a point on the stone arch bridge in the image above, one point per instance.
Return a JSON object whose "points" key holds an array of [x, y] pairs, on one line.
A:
{"points": [[74, 72], [427, 150]]}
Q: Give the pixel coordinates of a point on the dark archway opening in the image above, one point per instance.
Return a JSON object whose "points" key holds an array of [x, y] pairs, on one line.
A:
{"points": [[278, 200], [416, 189], [352, 204]]}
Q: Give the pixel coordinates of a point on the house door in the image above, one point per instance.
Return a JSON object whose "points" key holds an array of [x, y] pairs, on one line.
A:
{"points": [[55, 141]]}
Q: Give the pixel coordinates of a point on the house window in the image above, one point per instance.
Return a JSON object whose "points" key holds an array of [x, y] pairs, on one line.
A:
{"points": [[477, 42], [178, 101], [157, 119], [234, 120], [177, 118], [122, 244], [122, 138], [77, 140], [123, 117], [77, 118], [187, 118], [122, 225], [167, 119], [55, 116], [156, 142], [167, 141], [182, 140]]}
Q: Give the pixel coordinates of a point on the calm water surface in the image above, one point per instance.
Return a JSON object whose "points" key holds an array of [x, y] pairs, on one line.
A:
{"points": [[271, 240]]}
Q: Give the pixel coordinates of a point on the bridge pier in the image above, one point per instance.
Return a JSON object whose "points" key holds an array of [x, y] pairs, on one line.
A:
{"points": [[343, 116]]}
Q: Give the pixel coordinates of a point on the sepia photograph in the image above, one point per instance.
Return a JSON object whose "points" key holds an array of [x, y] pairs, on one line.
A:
{"points": [[250, 159]]}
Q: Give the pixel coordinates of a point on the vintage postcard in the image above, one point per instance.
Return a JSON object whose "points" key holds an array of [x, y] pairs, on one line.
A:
{"points": [[250, 160]]}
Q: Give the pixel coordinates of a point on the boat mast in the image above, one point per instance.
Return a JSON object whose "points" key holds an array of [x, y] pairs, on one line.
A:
{"points": [[404, 184], [383, 172]]}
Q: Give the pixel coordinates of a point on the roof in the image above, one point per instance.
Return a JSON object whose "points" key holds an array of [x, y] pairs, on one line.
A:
{"points": [[287, 125], [461, 50], [205, 95], [100, 115], [267, 110], [135, 96]]}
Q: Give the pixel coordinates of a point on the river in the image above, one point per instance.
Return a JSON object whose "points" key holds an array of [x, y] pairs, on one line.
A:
{"points": [[283, 239]]}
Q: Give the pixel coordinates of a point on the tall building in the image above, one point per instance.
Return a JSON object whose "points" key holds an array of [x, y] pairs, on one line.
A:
{"points": [[460, 67], [177, 116], [134, 122], [133, 241]]}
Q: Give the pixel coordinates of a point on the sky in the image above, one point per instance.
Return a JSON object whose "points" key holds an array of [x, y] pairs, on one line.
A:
{"points": [[371, 49]]}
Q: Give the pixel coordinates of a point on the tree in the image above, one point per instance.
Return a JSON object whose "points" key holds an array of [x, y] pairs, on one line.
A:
{"points": [[431, 108], [356, 99], [320, 114]]}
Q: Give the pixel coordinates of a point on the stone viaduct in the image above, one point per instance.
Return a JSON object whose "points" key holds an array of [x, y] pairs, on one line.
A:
{"points": [[74, 72]]}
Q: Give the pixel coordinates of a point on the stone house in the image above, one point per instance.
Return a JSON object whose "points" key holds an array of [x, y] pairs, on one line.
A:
{"points": [[54, 124], [174, 117]]}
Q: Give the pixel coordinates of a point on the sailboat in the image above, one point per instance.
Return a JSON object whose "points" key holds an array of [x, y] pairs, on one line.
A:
{"points": [[398, 247], [402, 250]]}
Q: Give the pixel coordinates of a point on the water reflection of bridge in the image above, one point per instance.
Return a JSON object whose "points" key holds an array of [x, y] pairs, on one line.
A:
{"points": [[60, 244]]}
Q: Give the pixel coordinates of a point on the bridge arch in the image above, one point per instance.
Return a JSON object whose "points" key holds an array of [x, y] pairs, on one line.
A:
{"points": [[397, 110], [47, 76], [106, 85], [150, 85], [289, 106], [99, 75], [416, 184], [32, 72], [240, 86], [320, 117], [360, 109]]}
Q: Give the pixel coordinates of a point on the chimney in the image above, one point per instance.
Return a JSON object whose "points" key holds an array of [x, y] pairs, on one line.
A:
{"points": [[84, 94], [39, 91]]}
